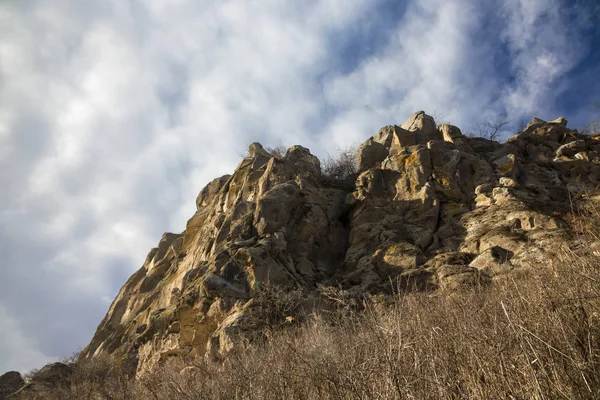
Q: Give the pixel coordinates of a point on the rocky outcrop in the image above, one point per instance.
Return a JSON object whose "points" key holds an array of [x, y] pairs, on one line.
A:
{"points": [[270, 223], [430, 210], [47, 378], [10, 382]]}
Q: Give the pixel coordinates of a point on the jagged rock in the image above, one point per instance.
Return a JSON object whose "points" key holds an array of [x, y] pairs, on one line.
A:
{"points": [[430, 209], [210, 190], [570, 149], [372, 152], [270, 223], [560, 120], [453, 135], [256, 150], [419, 129], [422, 123], [10, 382]]}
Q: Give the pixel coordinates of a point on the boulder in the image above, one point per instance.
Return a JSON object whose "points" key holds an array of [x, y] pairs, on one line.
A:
{"points": [[10, 382], [420, 122], [419, 129]]}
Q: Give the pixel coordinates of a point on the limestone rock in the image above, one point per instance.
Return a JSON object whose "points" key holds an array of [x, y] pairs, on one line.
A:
{"points": [[372, 152], [453, 135], [430, 209], [270, 223], [420, 122], [52, 373], [419, 129]]}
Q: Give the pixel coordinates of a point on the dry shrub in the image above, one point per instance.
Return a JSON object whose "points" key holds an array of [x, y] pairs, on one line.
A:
{"points": [[278, 151], [592, 129], [488, 129], [340, 169], [98, 378], [273, 309], [535, 334]]}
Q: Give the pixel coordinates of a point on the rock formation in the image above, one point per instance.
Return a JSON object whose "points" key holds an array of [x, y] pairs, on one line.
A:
{"points": [[13, 386], [431, 209], [10, 382]]}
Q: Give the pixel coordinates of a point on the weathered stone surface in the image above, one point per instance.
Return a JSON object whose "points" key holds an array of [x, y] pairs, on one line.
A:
{"points": [[493, 261], [372, 152], [419, 129], [10, 382], [430, 209], [453, 135], [568, 150], [420, 122], [270, 223]]}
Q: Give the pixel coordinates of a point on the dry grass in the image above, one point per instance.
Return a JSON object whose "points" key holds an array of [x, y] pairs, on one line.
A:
{"points": [[533, 335]]}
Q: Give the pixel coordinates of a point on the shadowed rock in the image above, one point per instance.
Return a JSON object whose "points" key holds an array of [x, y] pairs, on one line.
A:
{"points": [[10, 382]]}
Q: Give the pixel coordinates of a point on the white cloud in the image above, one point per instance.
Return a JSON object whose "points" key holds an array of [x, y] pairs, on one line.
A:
{"points": [[13, 337], [429, 64], [544, 47], [114, 114]]}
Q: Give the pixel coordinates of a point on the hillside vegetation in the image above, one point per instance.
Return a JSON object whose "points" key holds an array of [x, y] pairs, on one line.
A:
{"points": [[530, 335]]}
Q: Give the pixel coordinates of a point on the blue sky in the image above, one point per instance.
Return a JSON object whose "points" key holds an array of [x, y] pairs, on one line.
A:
{"points": [[114, 114]]}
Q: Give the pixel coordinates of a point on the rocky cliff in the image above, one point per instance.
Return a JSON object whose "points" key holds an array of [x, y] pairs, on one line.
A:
{"points": [[428, 209]]}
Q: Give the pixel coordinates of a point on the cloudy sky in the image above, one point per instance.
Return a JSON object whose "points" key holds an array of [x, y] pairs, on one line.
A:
{"points": [[115, 113]]}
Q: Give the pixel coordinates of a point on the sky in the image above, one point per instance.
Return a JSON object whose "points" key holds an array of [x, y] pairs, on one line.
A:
{"points": [[115, 113]]}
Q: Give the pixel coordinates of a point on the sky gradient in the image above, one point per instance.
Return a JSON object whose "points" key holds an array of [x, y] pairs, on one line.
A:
{"points": [[114, 114]]}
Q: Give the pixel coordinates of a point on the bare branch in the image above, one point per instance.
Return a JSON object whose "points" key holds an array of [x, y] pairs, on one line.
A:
{"points": [[592, 129], [489, 129], [440, 118], [278, 151]]}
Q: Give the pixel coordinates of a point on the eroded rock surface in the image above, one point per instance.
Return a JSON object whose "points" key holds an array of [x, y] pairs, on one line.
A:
{"points": [[430, 210]]}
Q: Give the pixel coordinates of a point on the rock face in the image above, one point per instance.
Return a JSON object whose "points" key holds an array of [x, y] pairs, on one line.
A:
{"points": [[430, 210]]}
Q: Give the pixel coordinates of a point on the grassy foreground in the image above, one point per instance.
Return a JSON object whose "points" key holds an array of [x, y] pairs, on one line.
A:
{"points": [[532, 334]]}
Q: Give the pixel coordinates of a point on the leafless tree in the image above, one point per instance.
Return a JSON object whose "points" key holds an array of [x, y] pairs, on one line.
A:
{"points": [[338, 169], [440, 118], [278, 151], [593, 127], [489, 129]]}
